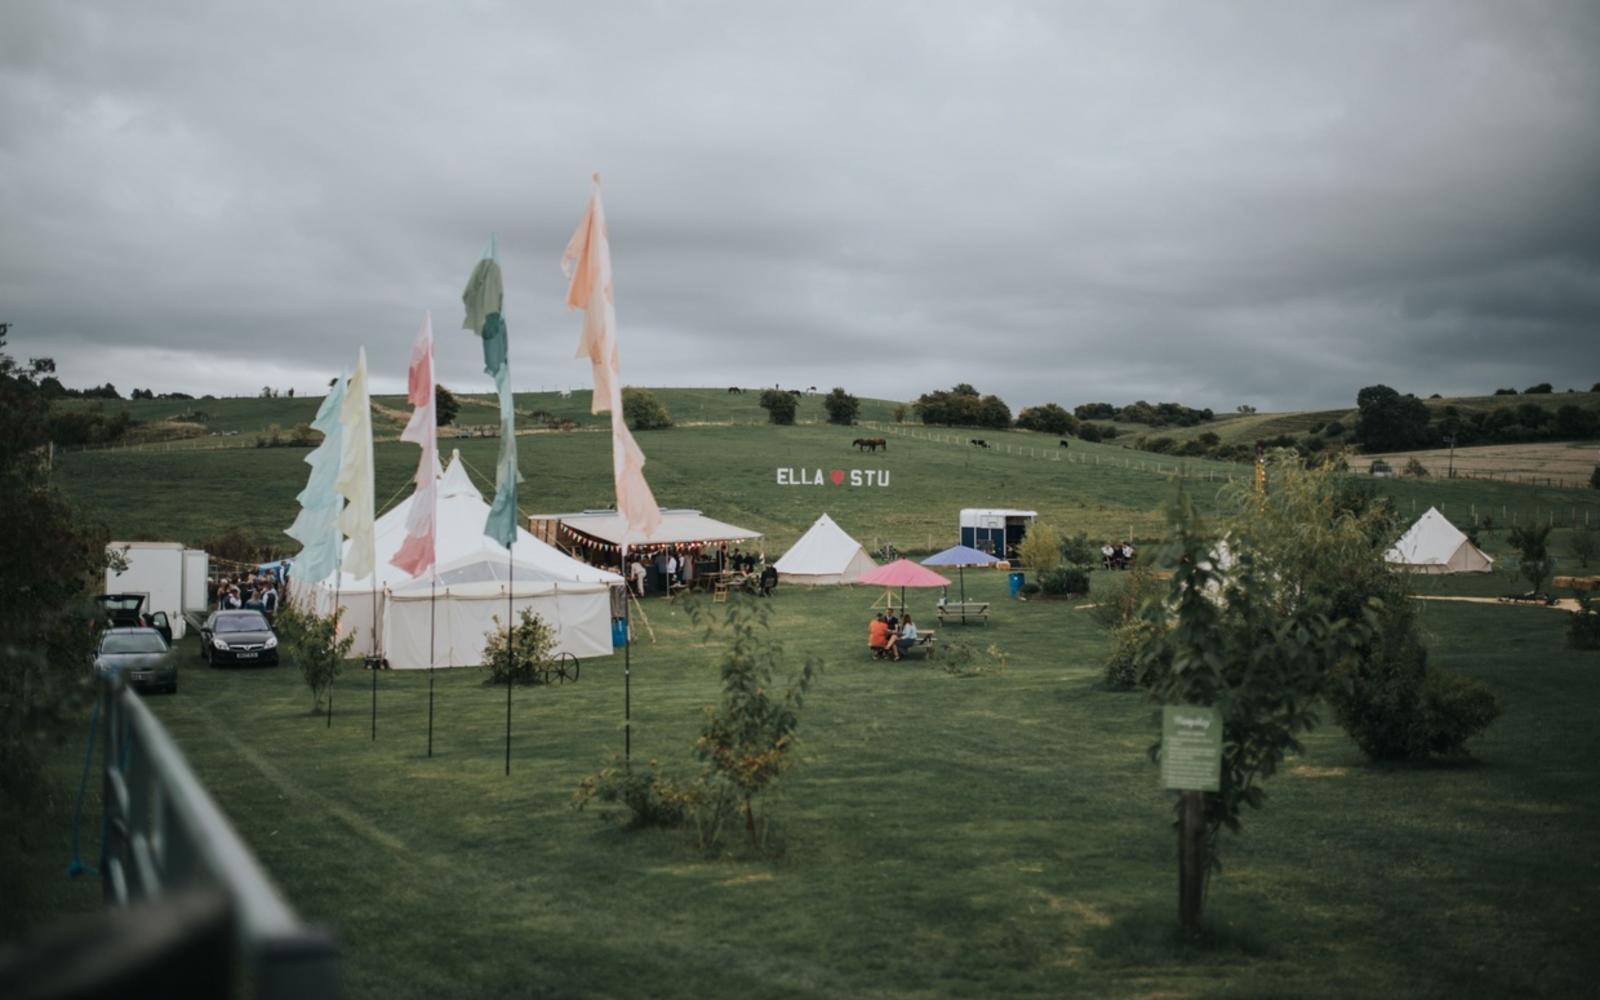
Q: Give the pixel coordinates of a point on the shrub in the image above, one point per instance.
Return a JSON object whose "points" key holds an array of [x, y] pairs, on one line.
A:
{"points": [[841, 406], [1040, 549], [1030, 589], [649, 797], [900, 413], [780, 406], [1455, 709], [312, 641], [1122, 663], [1531, 543], [1583, 544], [1089, 432], [748, 740], [1543, 388], [1049, 418], [643, 411], [1079, 551], [534, 642], [1334, 429], [1415, 468], [1594, 478], [1583, 628], [1065, 582]]}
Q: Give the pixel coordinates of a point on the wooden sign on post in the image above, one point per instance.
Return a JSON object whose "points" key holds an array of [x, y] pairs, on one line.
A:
{"points": [[1191, 762]]}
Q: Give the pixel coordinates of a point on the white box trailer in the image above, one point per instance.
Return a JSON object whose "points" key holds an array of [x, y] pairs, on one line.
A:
{"points": [[171, 578]]}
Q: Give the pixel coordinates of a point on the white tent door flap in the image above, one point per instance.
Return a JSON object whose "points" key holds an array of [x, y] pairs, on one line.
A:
{"points": [[462, 625]]}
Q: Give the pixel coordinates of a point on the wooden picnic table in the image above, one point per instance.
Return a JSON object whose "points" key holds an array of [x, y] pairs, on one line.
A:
{"points": [[963, 610]]}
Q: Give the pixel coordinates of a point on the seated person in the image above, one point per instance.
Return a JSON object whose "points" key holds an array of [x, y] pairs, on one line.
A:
{"points": [[892, 620], [908, 637], [878, 637]]}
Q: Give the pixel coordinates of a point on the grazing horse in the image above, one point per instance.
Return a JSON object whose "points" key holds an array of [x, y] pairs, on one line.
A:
{"points": [[980, 442], [872, 444], [734, 388], [1064, 443]]}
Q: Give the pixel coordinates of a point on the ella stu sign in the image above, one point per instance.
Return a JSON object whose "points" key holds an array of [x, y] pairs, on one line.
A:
{"points": [[836, 477]]}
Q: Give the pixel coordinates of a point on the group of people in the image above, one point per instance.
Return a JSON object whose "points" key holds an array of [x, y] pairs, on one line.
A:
{"points": [[256, 591], [667, 570], [889, 636], [1113, 556]]}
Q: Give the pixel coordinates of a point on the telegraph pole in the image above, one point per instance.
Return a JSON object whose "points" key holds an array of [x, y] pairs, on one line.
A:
{"points": [[1452, 473]]}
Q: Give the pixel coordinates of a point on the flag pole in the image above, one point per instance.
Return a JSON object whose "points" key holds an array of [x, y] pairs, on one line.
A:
{"points": [[627, 666], [433, 590], [375, 658], [511, 649]]}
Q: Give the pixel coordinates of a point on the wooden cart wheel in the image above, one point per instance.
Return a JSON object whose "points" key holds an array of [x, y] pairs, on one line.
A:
{"points": [[566, 667]]}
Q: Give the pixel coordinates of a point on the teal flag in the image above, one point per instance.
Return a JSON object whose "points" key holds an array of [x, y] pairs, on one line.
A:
{"points": [[316, 527], [483, 299]]}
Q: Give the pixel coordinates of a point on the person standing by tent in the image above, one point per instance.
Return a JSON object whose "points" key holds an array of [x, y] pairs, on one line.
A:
{"points": [[636, 573], [672, 569], [269, 600]]}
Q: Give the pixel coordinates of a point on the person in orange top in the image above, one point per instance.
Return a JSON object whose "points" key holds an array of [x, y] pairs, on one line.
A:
{"points": [[878, 637]]}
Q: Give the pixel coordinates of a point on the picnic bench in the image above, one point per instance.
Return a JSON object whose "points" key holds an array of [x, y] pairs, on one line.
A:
{"points": [[925, 641], [964, 610]]}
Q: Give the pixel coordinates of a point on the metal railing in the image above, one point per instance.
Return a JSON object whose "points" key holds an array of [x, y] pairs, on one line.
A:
{"points": [[166, 836]]}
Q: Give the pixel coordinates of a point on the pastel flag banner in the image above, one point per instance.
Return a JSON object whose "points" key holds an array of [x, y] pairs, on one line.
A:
{"points": [[484, 298], [587, 262], [417, 551], [316, 527], [355, 473]]}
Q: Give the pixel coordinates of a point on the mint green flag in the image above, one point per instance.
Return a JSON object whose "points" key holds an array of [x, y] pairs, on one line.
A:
{"points": [[483, 299]]}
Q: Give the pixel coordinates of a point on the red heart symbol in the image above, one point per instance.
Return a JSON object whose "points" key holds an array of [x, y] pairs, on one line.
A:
{"points": [[837, 475]]}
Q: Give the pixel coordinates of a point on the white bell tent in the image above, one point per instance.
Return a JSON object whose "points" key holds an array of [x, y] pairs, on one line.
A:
{"points": [[470, 567], [1434, 545], [824, 555]]}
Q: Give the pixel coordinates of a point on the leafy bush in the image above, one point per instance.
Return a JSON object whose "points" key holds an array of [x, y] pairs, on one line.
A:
{"points": [[312, 641], [748, 740], [780, 406], [643, 411], [1334, 429], [1029, 589], [1049, 418], [841, 406], [1455, 709], [1079, 551], [1415, 468], [1040, 549], [1583, 628], [1532, 545], [1089, 432], [960, 658], [1121, 670], [1065, 582], [1583, 544], [649, 797], [534, 641]]}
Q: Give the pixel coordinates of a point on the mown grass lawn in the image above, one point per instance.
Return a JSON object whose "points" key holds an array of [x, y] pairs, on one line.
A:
{"points": [[999, 835]]}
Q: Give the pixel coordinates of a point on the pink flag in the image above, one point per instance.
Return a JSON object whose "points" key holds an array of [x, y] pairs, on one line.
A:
{"points": [[416, 553], [588, 263]]}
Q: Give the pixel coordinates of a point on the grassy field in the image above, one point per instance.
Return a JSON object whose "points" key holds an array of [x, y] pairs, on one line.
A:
{"points": [[1565, 463], [999, 835]]}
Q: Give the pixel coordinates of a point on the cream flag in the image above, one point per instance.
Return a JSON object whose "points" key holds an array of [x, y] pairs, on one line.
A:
{"points": [[355, 473], [587, 262]]}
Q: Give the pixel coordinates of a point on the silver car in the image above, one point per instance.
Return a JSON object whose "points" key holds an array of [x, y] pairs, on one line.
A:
{"points": [[140, 655]]}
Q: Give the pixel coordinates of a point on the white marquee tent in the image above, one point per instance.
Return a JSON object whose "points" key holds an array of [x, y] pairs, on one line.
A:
{"points": [[472, 570], [1434, 545], [825, 554]]}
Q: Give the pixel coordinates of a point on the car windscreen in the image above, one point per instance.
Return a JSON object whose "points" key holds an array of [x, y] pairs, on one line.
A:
{"points": [[121, 603], [133, 642], [242, 623]]}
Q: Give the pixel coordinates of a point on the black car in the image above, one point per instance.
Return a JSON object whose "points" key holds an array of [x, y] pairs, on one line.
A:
{"points": [[238, 637], [141, 655]]}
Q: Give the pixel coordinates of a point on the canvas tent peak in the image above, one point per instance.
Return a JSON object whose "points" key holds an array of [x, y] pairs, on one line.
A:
{"points": [[1435, 546], [824, 555]]}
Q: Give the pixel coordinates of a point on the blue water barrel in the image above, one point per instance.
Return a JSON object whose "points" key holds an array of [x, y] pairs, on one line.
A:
{"points": [[1015, 582], [619, 632]]}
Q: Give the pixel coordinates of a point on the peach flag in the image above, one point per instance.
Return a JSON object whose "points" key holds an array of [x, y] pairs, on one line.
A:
{"points": [[587, 262], [417, 551]]}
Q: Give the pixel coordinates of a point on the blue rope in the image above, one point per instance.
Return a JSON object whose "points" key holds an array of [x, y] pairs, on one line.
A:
{"points": [[77, 867]]}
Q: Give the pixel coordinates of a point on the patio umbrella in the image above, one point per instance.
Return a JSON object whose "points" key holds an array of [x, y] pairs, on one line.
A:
{"points": [[904, 573], [961, 556]]}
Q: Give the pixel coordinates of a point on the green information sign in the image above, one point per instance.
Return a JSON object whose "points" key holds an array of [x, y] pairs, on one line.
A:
{"points": [[1191, 748]]}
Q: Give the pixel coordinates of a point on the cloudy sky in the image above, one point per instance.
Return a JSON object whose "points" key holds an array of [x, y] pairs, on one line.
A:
{"points": [[1262, 203]]}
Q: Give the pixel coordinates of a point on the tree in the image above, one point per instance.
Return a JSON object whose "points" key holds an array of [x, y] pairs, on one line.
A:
{"points": [[1040, 549], [643, 411], [993, 413], [313, 643], [445, 406], [780, 406], [1390, 421], [1543, 388], [1049, 418], [1532, 545], [749, 739], [535, 645], [841, 406], [1095, 411], [1583, 545], [49, 557]]}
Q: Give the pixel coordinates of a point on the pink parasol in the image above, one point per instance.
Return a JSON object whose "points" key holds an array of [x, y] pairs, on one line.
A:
{"points": [[904, 573]]}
